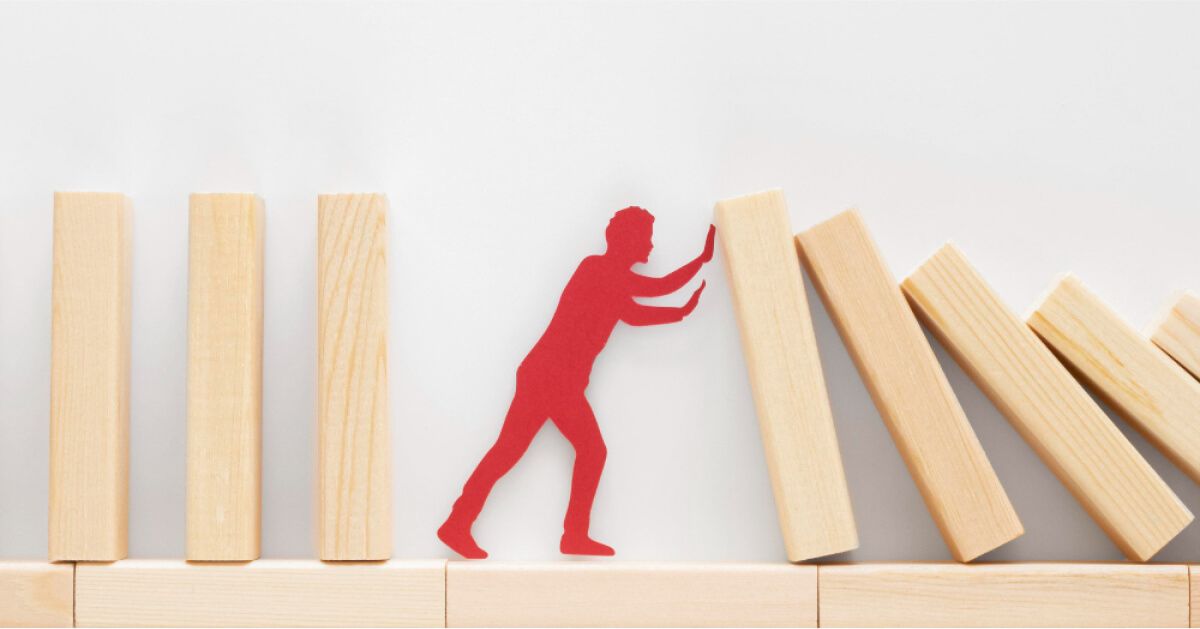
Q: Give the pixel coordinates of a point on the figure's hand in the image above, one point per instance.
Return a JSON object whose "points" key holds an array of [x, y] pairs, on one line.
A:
{"points": [[695, 299], [708, 245]]}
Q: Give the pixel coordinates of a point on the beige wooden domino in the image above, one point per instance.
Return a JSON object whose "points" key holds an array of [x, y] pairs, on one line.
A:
{"points": [[1136, 378], [36, 594], [608, 594], [353, 458], [1004, 595], [1194, 585], [780, 348], [89, 377], [224, 398], [1058, 419], [1178, 333], [908, 386]]}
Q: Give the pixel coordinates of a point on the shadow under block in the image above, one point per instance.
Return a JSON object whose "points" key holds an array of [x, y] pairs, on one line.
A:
{"points": [[224, 395], [270, 593], [945, 458], [89, 377], [36, 594], [1178, 333], [353, 458], [1041, 399], [780, 348], [1004, 595], [609, 594], [1138, 380]]}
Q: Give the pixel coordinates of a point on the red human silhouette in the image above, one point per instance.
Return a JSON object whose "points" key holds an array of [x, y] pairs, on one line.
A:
{"points": [[554, 375]]}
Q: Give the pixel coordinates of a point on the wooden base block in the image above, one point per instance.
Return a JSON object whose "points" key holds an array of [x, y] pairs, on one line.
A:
{"points": [[1178, 333], [36, 594], [1194, 581]]}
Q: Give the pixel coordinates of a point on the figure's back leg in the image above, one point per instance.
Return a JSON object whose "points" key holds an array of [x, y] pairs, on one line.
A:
{"points": [[578, 424]]}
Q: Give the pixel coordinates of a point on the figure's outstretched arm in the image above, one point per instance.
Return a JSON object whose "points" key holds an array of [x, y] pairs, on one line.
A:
{"points": [[644, 286], [639, 315]]}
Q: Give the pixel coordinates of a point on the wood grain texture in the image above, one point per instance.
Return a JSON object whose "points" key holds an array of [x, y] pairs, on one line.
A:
{"points": [[1004, 595], [1178, 332], [225, 328], [89, 377], [608, 594], [944, 456], [780, 347], [1058, 419], [1194, 589], [353, 459], [1133, 376], [36, 594]]}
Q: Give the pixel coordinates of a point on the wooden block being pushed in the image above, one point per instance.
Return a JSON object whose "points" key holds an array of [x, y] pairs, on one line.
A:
{"points": [[1004, 595], [614, 594], [1058, 419], [36, 594], [944, 456], [89, 377], [1138, 380], [1178, 333], [780, 347], [268, 593], [225, 319], [353, 446]]}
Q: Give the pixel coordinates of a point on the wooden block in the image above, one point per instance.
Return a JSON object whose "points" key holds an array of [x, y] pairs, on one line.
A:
{"points": [[353, 459], [1178, 332], [1194, 589], [1058, 419], [1133, 376], [780, 347], [1004, 595], [899, 368], [225, 319], [36, 594], [271, 593], [613, 594], [89, 377]]}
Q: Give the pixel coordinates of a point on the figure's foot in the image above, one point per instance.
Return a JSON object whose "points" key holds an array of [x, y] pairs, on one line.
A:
{"points": [[460, 541], [584, 545]]}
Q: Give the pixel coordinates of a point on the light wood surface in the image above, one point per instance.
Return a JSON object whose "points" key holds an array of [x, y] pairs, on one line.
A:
{"points": [[89, 377], [944, 456], [1194, 588], [1058, 419], [1133, 376], [1004, 595], [780, 348], [1178, 332], [608, 594], [224, 396], [36, 594], [353, 458]]}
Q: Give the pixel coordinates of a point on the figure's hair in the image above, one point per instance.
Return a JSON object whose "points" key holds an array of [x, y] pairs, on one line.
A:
{"points": [[620, 225]]}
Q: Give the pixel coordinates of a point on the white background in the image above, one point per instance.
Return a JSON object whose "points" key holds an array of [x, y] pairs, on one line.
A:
{"points": [[1041, 138]]}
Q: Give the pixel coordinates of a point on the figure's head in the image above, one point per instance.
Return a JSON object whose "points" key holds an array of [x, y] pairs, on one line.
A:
{"points": [[629, 234]]}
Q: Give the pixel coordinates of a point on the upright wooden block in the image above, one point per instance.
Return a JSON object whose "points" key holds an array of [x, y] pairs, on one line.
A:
{"points": [[1058, 419], [780, 347], [89, 377], [36, 594], [1004, 595], [1133, 376], [353, 459], [1178, 332], [608, 594], [225, 319], [271, 593], [926, 421]]}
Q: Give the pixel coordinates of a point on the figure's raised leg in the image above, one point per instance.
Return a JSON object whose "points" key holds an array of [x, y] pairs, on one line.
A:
{"points": [[578, 425]]}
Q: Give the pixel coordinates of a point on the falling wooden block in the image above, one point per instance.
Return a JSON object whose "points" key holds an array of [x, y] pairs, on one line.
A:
{"points": [[1139, 381], [270, 593], [89, 377], [1178, 333], [353, 459], [899, 368], [1058, 419], [608, 594], [780, 347], [36, 594], [1004, 595], [225, 319]]}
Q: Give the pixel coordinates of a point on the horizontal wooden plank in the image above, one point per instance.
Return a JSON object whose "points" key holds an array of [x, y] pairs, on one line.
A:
{"points": [[36, 594], [1178, 332]]}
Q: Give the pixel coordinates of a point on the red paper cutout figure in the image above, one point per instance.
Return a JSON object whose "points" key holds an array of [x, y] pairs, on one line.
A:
{"points": [[552, 378]]}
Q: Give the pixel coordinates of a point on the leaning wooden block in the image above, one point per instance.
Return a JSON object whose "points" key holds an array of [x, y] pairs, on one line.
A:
{"points": [[1133, 376], [1058, 419], [271, 593], [35, 594], [1004, 595], [607, 594], [1178, 333], [89, 377], [225, 324], [780, 347], [353, 458], [927, 423]]}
